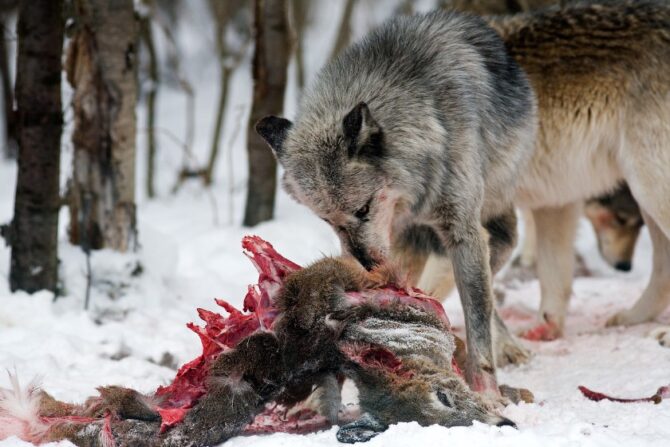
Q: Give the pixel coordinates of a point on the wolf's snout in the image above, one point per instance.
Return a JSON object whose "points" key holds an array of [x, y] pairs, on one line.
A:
{"points": [[623, 266], [365, 259], [358, 251]]}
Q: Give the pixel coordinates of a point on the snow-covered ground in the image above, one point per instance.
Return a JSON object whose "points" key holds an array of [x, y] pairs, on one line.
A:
{"points": [[134, 332]]}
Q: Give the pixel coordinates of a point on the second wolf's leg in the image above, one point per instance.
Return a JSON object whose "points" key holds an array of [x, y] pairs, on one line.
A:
{"points": [[656, 297], [411, 250], [437, 277], [529, 244], [555, 232], [502, 239]]}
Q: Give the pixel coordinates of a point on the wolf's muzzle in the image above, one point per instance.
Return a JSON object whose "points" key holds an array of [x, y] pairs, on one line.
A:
{"points": [[361, 255], [366, 261]]}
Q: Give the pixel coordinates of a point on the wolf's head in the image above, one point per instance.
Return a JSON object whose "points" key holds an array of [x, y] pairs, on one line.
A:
{"points": [[617, 221], [337, 170]]}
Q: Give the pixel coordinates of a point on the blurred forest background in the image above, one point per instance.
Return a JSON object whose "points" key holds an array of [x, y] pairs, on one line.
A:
{"points": [[113, 103]]}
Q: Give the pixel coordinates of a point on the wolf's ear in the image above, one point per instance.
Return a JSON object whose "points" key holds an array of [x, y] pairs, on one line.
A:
{"points": [[363, 135], [273, 130]]}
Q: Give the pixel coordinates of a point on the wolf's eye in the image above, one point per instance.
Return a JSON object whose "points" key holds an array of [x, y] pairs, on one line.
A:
{"points": [[445, 399], [362, 211], [620, 219]]}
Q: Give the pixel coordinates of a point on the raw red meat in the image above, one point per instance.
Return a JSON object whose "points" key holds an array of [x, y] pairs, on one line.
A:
{"points": [[662, 393], [221, 333]]}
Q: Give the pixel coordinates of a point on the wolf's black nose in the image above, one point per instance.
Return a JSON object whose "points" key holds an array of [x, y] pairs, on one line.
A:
{"points": [[624, 266], [506, 423], [365, 260]]}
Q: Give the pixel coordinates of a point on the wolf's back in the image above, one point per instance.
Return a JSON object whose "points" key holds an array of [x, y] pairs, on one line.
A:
{"points": [[413, 65], [602, 38]]}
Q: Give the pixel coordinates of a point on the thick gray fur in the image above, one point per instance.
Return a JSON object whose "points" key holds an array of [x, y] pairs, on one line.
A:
{"points": [[429, 121]]}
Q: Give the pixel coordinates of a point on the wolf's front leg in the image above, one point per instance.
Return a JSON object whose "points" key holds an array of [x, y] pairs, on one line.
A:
{"points": [[502, 237], [555, 229], [470, 257]]}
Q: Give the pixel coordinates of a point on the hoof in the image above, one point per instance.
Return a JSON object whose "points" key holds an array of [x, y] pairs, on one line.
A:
{"points": [[361, 430]]}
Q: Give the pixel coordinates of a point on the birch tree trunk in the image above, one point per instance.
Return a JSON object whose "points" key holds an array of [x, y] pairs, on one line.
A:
{"points": [[33, 233], [271, 55], [101, 68]]}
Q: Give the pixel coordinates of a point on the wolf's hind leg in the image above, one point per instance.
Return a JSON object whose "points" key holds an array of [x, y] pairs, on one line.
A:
{"points": [[656, 296], [556, 228]]}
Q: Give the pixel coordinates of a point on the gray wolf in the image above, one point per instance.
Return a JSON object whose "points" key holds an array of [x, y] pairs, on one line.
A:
{"points": [[429, 121]]}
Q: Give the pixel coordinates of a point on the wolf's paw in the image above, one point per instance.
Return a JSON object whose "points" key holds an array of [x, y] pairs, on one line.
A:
{"points": [[626, 318], [510, 352], [545, 331], [662, 335]]}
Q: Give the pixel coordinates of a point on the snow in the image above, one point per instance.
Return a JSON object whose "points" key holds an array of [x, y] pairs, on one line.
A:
{"points": [[134, 332]]}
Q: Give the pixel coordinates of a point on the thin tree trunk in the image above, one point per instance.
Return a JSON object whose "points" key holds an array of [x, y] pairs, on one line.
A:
{"points": [[218, 124], [344, 32], [33, 233], [269, 73], [222, 15], [147, 37], [7, 9], [225, 14], [10, 143], [300, 16], [101, 68]]}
